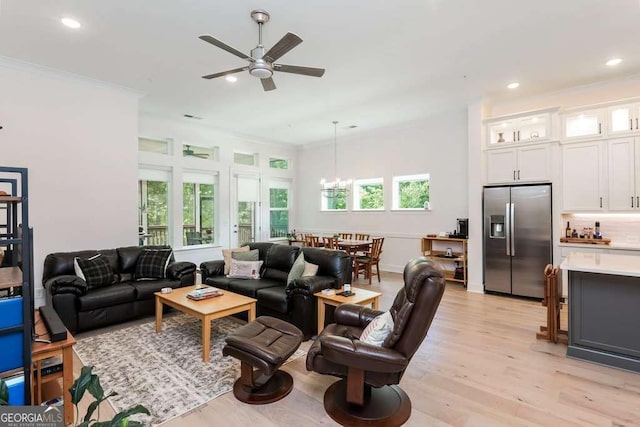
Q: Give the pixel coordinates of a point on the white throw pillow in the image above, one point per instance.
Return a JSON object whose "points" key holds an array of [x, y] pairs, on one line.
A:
{"points": [[296, 269], [244, 269], [378, 330], [226, 254], [309, 269]]}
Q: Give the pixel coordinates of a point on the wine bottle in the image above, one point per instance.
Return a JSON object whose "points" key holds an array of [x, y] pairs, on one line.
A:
{"points": [[567, 231]]}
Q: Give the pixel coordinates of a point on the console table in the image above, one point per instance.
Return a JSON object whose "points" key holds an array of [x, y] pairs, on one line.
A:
{"points": [[42, 351], [436, 249]]}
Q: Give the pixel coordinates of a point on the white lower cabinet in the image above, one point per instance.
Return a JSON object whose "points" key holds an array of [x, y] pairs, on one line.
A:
{"points": [[518, 164]]}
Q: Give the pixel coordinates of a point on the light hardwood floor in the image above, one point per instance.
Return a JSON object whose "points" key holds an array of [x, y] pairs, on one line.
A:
{"points": [[480, 365]]}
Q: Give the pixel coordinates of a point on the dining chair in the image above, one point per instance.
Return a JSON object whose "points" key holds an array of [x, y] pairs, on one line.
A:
{"points": [[346, 236], [312, 241], [366, 262], [330, 242], [360, 236]]}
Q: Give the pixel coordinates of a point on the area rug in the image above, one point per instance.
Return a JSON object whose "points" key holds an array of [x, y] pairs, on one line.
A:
{"points": [[164, 371]]}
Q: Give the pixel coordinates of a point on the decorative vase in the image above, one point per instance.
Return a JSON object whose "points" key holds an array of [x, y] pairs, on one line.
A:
{"points": [[500, 137]]}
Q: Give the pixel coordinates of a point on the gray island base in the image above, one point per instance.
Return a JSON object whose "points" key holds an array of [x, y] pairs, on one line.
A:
{"points": [[604, 309]]}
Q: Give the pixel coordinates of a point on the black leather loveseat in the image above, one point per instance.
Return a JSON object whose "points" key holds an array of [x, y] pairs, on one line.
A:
{"points": [[295, 302], [83, 308]]}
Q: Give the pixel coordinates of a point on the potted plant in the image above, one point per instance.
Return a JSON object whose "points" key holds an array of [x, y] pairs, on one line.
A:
{"points": [[88, 381]]}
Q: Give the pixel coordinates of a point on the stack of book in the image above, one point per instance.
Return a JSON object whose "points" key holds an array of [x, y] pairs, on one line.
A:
{"points": [[204, 293]]}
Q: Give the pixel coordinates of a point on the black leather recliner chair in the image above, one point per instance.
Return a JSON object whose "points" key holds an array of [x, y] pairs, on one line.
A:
{"points": [[368, 393], [295, 302], [81, 308]]}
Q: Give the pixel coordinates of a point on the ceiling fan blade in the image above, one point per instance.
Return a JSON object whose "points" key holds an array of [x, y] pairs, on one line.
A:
{"points": [[268, 84], [286, 43], [224, 73], [305, 71], [210, 39]]}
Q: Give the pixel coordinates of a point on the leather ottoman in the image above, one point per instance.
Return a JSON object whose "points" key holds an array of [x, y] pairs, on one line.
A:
{"points": [[264, 345]]}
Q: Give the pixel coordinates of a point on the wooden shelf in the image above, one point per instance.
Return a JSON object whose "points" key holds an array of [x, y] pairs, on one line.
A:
{"points": [[10, 277], [435, 247], [10, 199]]}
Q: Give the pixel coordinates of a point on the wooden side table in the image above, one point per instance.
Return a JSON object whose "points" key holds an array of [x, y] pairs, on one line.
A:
{"points": [[361, 297], [41, 351]]}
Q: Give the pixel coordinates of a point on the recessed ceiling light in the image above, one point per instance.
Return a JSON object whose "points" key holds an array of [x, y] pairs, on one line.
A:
{"points": [[513, 85], [70, 22], [231, 79], [613, 62]]}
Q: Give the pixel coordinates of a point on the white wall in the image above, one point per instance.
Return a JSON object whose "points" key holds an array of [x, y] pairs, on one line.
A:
{"points": [[78, 138], [436, 145], [187, 131]]}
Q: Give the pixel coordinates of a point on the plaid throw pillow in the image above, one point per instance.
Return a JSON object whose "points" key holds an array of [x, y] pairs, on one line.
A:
{"points": [[96, 270], [152, 264]]}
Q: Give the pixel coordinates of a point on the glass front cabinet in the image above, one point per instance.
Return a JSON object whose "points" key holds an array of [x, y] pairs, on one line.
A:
{"points": [[528, 128], [583, 124], [623, 119]]}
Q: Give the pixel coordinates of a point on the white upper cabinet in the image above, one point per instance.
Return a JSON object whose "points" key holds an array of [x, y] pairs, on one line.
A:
{"points": [[519, 128], [624, 185], [623, 119], [529, 163], [584, 176], [583, 124]]}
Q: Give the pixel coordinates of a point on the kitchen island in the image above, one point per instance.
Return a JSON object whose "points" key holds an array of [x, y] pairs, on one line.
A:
{"points": [[604, 308]]}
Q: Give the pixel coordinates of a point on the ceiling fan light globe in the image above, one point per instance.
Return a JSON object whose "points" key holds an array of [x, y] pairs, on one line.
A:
{"points": [[261, 73]]}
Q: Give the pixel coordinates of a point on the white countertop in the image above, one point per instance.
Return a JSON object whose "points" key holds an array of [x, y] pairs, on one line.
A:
{"points": [[621, 265], [612, 245]]}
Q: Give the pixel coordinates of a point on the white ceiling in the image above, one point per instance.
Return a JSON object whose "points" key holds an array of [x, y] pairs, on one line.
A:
{"points": [[388, 62]]}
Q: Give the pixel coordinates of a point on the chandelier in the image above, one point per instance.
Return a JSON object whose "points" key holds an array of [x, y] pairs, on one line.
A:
{"points": [[336, 188]]}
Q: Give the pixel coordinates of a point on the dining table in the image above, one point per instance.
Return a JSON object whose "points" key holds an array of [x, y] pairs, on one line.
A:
{"points": [[353, 246]]}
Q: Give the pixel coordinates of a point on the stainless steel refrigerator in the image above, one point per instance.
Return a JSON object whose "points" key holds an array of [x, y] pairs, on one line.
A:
{"points": [[517, 238]]}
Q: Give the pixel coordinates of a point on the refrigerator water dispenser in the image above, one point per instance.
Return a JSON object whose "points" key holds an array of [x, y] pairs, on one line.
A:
{"points": [[497, 227]]}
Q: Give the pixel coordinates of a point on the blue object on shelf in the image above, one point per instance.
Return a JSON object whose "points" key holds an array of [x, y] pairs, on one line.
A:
{"points": [[16, 390], [11, 343]]}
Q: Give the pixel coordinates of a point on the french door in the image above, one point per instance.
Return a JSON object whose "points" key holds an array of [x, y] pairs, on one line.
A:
{"points": [[245, 208]]}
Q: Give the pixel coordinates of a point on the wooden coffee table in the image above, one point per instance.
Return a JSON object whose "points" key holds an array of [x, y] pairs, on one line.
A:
{"points": [[205, 310], [361, 297]]}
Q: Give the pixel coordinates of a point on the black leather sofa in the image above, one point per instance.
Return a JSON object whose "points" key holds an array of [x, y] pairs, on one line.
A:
{"points": [[82, 308], [294, 303]]}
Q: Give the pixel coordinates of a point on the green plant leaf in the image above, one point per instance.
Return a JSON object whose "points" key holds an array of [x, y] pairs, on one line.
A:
{"points": [[91, 409], [4, 393], [81, 384], [96, 389], [121, 416]]}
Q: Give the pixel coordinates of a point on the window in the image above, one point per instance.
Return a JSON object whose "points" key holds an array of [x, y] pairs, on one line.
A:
{"points": [[335, 202], [368, 194], [153, 211], [411, 192], [244, 159], [279, 192], [275, 163], [196, 152], [197, 209], [153, 146]]}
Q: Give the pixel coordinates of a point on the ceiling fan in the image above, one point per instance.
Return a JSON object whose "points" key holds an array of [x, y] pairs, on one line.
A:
{"points": [[261, 64], [187, 151]]}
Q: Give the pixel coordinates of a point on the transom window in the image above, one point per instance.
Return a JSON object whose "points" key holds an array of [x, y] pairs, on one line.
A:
{"points": [[411, 192], [245, 159], [153, 146], [278, 163]]}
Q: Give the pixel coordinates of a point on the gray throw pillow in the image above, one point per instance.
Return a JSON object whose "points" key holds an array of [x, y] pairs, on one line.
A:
{"points": [[296, 269], [246, 256]]}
